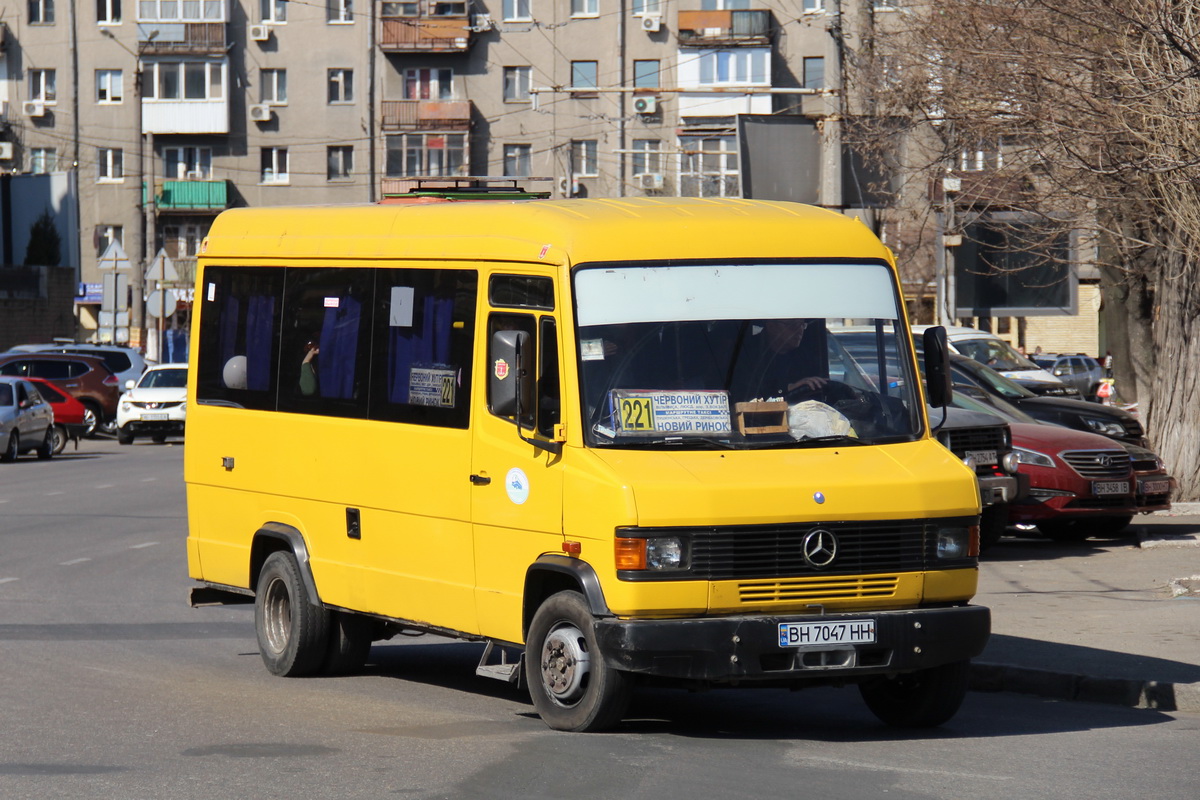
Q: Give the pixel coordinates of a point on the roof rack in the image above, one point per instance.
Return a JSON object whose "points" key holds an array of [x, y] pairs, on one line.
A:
{"points": [[465, 187]]}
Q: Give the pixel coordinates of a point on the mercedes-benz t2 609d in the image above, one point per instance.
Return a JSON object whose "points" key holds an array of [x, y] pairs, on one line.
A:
{"points": [[612, 439]]}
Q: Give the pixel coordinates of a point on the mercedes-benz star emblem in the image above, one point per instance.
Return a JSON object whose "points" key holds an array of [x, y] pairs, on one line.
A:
{"points": [[820, 547]]}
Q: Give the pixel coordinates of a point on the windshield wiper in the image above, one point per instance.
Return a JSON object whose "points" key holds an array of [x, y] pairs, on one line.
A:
{"points": [[840, 438]]}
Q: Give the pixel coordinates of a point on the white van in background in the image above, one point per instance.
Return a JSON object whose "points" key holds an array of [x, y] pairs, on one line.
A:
{"points": [[988, 348]]}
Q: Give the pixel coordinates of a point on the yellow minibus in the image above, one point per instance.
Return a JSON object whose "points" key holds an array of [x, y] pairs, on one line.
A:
{"points": [[614, 440]]}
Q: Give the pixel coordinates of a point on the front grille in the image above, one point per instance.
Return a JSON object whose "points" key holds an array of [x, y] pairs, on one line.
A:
{"points": [[817, 589], [960, 440], [1101, 464], [156, 405]]}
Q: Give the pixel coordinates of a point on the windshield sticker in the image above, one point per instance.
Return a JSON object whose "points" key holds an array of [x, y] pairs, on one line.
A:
{"points": [[674, 412], [400, 311], [432, 385], [591, 350], [516, 484]]}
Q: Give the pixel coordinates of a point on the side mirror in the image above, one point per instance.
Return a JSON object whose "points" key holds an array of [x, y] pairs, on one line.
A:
{"points": [[510, 379], [937, 367]]}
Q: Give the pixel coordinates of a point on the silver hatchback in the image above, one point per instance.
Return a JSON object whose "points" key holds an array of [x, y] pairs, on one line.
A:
{"points": [[26, 420]]}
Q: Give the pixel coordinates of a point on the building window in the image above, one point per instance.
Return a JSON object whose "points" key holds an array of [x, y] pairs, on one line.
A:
{"points": [[404, 8], [814, 72], [429, 84], [182, 241], [339, 11], [43, 160], [886, 5], [647, 156], [41, 12], [274, 165], [709, 167], [518, 160], [341, 86], [105, 235], [187, 163], [584, 77], [814, 6], [108, 12], [416, 155], [734, 67], [585, 8], [108, 86], [272, 86], [984, 156], [646, 8], [339, 162], [647, 74], [183, 80], [273, 11], [516, 84], [516, 10], [41, 86], [108, 165], [185, 11], [584, 160]]}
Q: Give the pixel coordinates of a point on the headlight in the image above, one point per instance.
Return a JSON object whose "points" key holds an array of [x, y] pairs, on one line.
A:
{"points": [[1009, 463], [656, 553], [125, 407], [1033, 457], [1106, 427], [957, 542]]}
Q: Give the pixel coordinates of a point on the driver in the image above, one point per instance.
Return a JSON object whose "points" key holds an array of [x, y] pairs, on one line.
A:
{"points": [[777, 360]]}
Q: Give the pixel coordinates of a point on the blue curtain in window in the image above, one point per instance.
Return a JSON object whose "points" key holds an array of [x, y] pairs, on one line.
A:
{"points": [[427, 344], [339, 349], [260, 316]]}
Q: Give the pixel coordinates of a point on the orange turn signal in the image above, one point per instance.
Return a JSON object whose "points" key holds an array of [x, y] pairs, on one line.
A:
{"points": [[631, 553], [973, 542]]}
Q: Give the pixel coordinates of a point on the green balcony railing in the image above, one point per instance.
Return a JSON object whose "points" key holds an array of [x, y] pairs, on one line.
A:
{"points": [[192, 195]]}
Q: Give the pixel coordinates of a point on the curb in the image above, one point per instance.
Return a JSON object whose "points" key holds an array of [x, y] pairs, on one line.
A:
{"points": [[1161, 696]]}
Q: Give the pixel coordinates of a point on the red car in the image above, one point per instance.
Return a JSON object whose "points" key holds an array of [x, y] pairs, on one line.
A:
{"points": [[72, 419]]}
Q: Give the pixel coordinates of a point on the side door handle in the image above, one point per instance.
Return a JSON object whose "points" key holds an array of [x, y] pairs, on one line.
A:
{"points": [[480, 480]]}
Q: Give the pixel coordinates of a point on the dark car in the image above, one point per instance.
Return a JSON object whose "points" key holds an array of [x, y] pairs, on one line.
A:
{"points": [[86, 378], [1078, 414]]}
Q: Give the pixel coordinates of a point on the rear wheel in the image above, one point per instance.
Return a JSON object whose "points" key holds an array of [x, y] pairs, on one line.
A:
{"points": [[46, 448], [13, 449], [923, 699], [571, 685], [91, 417], [60, 438], [292, 633]]}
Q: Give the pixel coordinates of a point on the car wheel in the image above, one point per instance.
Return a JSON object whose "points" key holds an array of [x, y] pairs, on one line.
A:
{"points": [[46, 448], [922, 699], [1064, 530], [293, 633], [91, 418], [572, 687], [124, 436], [60, 438], [13, 449]]}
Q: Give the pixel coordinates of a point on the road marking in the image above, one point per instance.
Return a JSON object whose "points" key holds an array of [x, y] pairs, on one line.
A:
{"points": [[104, 486], [51, 494], [5, 500], [149, 480], [143, 544], [8, 580], [73, 562]]}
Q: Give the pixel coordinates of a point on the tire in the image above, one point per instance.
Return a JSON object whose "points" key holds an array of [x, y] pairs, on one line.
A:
{"points": [[13, 449], [159, 438], [124, 437], [60, 438], [923, 699], [350, 637], [1108, 526], [992, 524], [1069, 530], [571, 685], [91, 418], [292, 633], [46, 450]]}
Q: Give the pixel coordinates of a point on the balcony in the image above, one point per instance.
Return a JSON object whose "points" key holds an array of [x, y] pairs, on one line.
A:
{"points": [[425, 34], [724, 28], [426, 115], [192, 196], [165, 38]]}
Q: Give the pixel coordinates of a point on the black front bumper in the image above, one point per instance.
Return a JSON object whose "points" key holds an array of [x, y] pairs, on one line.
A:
{"points": [[746, 648]]}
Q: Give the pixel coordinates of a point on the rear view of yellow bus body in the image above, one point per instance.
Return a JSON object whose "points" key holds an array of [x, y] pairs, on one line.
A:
{"points": [[615, 439]]}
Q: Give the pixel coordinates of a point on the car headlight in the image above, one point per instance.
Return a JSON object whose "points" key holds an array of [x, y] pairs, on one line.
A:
{"points": [[125, 407], [1033, 457], [656, 553], [1105, 427], [957, 542]]}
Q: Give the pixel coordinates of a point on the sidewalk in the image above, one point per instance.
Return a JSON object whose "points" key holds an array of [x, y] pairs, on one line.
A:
{"points": [[1115, 621]]}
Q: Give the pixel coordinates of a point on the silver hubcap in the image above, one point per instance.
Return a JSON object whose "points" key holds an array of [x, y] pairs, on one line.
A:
{"points": [[565, 663], [277, 616]]}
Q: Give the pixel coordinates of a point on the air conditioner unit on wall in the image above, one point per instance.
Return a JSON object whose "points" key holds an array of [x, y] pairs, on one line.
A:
{"points": [[650, 180], [33, 108], [483, 23], [6, 151], [651, 24], [645, 105], [260, 113], [260, 33]]}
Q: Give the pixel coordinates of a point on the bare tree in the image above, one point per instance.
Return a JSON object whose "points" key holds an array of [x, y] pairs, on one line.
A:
{"points": [[1093, 110]]}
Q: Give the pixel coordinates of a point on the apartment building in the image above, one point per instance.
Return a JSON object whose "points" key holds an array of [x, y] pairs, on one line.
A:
{"points": [[211, 104]]}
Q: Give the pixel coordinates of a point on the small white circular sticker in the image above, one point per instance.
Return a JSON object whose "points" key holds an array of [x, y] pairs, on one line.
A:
{"points": [[517, 485]]}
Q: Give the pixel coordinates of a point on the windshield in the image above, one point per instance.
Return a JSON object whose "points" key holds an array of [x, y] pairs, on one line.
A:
{"points": [[164, 379], [995, 353], [741, 356]]}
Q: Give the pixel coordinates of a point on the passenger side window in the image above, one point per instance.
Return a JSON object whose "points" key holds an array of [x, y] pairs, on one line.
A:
{"points": [[239, 336], [51, 370], [549, 395]]}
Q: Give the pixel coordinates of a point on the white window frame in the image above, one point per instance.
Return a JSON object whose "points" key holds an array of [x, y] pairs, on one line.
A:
{"points": [[43, 85], [153, 73], [814, 7], [519, 80], [339, 12], [647, 156], [106, 235], [343, 156], [517, 10], [341, 78], [734, 67], [273, 12], [277, 173], [43, 160], [110, 82], [584, 88], [694, 150], [176, 11], [646, 8], [518, 155], [805, 63], [581, 9], [440, 81], [108, 12], [585, 158], [272, 86], [46, 13], [110, 165], [187, 160], [419, 160]]}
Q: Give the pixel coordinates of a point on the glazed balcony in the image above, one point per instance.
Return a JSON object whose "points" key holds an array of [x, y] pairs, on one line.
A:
{"points": [[724, 28], [426, 115]]}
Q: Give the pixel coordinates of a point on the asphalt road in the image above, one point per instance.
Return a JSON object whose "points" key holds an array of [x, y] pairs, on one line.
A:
{"points": [[111, 686]]}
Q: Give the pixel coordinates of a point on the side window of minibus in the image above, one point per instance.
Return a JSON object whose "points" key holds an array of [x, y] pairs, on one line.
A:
{"points": [[239, 336], [514, 322], [549, 396]]}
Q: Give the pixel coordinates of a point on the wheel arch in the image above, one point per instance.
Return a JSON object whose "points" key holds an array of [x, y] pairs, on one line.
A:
{"points": [[554, 573], [275, 537]]}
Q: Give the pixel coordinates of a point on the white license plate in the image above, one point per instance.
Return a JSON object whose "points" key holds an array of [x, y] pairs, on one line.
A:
{"points": [[154, 417], [982, 456], [801, 634], [1110, 487], [1156, 487]]}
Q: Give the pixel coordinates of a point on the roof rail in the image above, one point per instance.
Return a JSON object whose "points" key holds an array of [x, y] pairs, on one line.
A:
{"points": [[465, 187]]}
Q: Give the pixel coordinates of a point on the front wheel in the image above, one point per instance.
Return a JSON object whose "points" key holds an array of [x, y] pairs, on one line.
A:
{"points": [[922, 699], [292, 632], [13, 449], [572, 687], [123, 436], [46, 448]]}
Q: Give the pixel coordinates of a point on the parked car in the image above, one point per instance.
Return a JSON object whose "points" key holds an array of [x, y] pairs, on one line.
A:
{"points": [[125, 362], [1155, 487], [990, 350], [1078, 414], [26, 420], [72, 419], [155, 406], [86, 378], [1080, 371]]}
